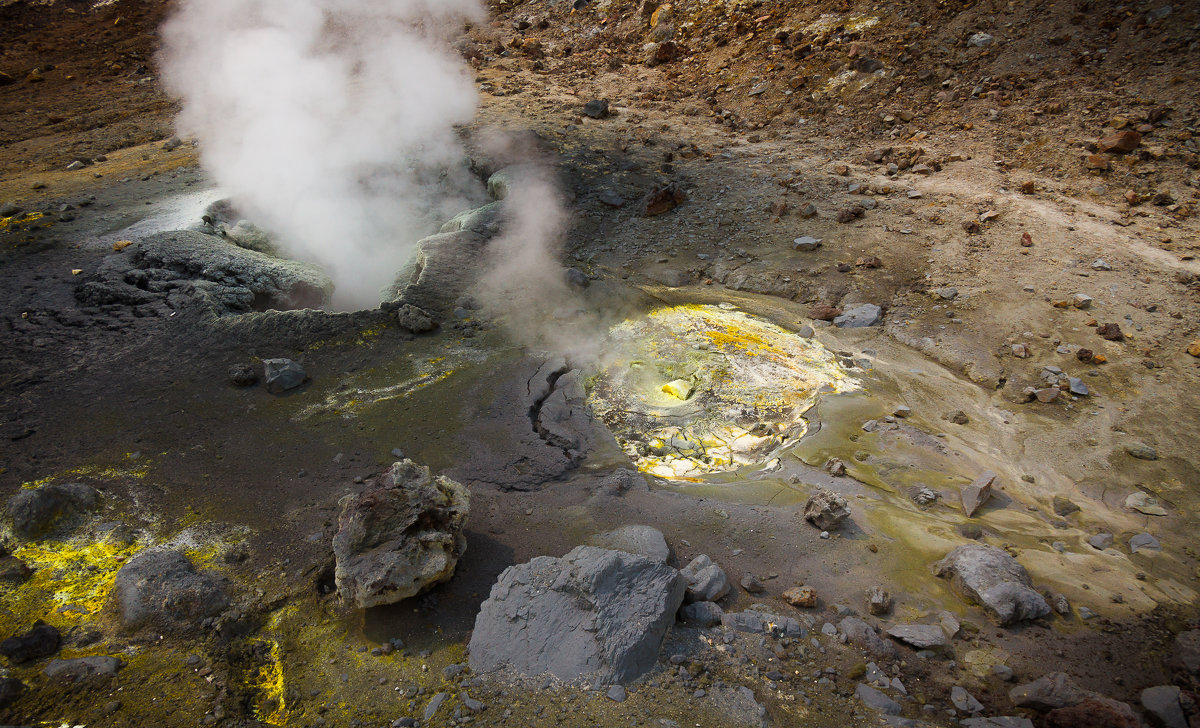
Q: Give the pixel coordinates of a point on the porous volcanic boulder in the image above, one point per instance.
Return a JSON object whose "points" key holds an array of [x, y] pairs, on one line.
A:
{"points": [[162, 590], [991, 578], [400, 537], [826, 510], [36, 511], [595, 614]]}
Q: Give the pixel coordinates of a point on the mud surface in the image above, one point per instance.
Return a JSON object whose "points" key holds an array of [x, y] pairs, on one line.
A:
{"points": [[133, 397]]}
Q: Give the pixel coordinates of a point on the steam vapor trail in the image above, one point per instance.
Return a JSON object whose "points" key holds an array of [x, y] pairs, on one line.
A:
{"points": [[329, 122]]}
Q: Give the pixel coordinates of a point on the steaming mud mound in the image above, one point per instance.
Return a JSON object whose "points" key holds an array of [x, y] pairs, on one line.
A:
{"points": [[170, 270], [706, 389]]}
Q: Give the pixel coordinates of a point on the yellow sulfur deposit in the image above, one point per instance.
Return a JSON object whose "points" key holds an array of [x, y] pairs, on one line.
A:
{"points": [[70, 580], [695, 390]]}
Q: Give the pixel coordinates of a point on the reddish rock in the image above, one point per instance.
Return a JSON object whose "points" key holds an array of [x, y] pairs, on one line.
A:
{"points": [[971, 227], [850, 214], [1121, 142], [663, 199], [778, 208], [822, 312], [870, 261], [1096, 712], [1026, 240], [1111, 332], [801, 596], [1097, 161], [1085, 355]]}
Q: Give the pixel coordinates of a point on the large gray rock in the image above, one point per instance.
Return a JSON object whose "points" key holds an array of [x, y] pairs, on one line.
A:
{"points": [[863, 636], [400, 537], [209, 267], [444, 266], [594, 614], [826, 510], [704, 614], [921, 636], [991, 578], [163, 591], [642, 540], [79, 669], [1186, 653], [861, 316], [481, 220], [282, 375], [1161, 703], [873, 698], [706, 582], [1049, 692], [37, 511]]}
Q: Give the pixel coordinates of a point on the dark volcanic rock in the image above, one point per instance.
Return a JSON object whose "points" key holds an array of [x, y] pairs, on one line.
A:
{"points": [[162, 590], [663, 198], [80, 669], [282, 375], [42, 640], [594, 613], [401, 537], [10, 689], [36, 511]]}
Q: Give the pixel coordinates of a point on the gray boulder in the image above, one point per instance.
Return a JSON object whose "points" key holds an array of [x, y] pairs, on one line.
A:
{"points": [[37, 511], [704, 614], [481, 220], [1186, 653], [442, 268], [706, 582], [641, 540], [736, 706], [877, 700], [758, 622], [863, 636], [1161, 703], [920, 636], [594, 613], [400, 537], [964, 700], [991, 578], [163, 591], [826, 510], [861, 316], [82, 668], [1049, 692], [282, 375]]}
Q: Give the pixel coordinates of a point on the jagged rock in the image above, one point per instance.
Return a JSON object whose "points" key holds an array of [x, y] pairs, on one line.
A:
{"points": [[1161, 703], [13, 569], [964, 700], [1049, 692], [42, 640], [877, 700], [1094, 712], [37, 511], [879, 602], [414, 320], [441, 269], [594, 613], [1186, 653], [80, 669], [977, 493], [826, 510], [206, 267], [705, 614], [1101, 541], [861, 316], [920, 636], [757, 622], [246, 234], [10, 689], [737, 706], [991, 578], [163, 591], [801, 596], [484, 220], [863, 635], [641, 540], [282, 375], [400, 537], [706, 582]]}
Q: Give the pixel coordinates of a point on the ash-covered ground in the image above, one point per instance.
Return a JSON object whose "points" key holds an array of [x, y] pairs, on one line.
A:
{"points": [[976, 223]]}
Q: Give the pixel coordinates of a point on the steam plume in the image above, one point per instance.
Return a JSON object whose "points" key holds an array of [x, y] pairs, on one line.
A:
{"points": [[329, 122]]}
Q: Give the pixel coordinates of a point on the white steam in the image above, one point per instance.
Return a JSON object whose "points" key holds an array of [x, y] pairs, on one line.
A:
{"points": [[329, 122]]}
